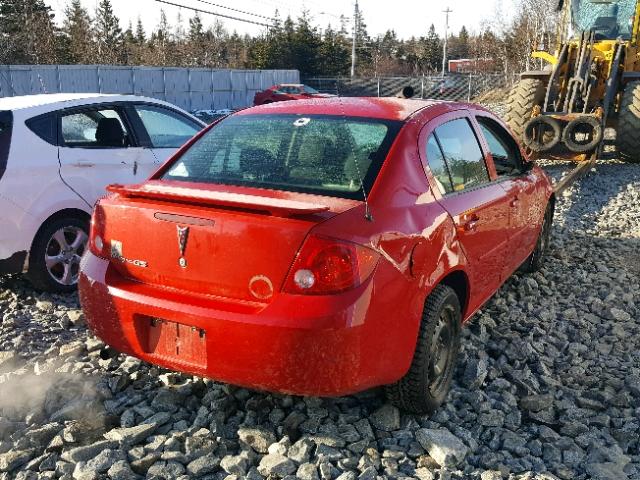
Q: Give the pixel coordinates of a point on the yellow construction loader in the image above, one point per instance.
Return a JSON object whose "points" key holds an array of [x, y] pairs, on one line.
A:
{"points": [[591, 82]]}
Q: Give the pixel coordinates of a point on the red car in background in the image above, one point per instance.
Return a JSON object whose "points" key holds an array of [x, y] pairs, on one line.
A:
{"points": [[319, 247], [287, 91]]}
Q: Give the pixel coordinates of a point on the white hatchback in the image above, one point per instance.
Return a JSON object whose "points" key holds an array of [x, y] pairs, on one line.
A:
{"points": [[57, 154]]}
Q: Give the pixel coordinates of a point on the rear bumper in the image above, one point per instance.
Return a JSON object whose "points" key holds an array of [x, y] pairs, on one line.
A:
{"points": [[14, 264], [320, 346]]}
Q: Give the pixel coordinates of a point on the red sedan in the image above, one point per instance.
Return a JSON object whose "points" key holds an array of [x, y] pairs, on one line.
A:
{"points": [[319, 248], [287, 91]]}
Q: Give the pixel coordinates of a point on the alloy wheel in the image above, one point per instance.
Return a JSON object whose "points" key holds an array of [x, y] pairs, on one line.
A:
{"points": [[63, 253]]}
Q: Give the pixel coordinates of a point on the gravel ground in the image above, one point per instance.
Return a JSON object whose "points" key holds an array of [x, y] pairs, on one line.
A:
{"points": [[548, 384]]}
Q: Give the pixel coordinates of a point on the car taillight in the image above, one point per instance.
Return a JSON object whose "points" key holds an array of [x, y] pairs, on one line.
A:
{"points": [[326, 266], [96, 236]]}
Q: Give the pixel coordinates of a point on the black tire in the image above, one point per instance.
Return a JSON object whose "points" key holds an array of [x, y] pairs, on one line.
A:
{"points": [[61, 276], [422, 390], [628, 134], [526, 94], [548, 141], [590, 144], [534, 262]]}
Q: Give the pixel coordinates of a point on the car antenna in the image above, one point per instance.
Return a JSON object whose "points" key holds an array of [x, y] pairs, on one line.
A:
{"points": [[367, 208]]}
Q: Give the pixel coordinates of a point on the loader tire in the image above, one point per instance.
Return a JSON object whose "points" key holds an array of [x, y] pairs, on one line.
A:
{"points": [[628, 134], [526, 94]]}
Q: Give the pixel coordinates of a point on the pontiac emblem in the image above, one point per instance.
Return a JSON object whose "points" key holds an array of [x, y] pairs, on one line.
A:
{"points": [[183, 237]]}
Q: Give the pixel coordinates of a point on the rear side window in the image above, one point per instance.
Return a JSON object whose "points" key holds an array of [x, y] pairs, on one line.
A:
{"points": [[100, 128], [44, 126], [438, 166], [504, 150], [316, 154], [462, 154], [6, 128]]}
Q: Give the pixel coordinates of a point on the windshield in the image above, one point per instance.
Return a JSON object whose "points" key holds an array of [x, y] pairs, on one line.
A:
{"points": [[308, 89], [609, 20], [319, 154]]}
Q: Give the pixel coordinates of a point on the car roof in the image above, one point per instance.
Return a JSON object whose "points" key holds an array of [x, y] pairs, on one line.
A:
{"points": [[31, 105], [387, 108], [30, 101]]}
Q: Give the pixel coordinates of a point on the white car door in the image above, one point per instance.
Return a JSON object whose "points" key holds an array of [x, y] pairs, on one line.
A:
{"points": [[167, 129], [98, 148]]}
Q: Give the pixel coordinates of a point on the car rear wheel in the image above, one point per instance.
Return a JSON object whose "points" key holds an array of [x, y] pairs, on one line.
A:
{"points": [[534, 262], [426, 384], [54, 263]]}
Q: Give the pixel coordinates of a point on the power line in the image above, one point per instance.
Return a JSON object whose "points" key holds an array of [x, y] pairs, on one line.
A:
{"points": [[216, 14], [236, 10]]}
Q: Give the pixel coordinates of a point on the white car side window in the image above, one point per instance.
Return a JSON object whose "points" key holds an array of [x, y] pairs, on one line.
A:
{"points": [[166, 129], [95, 129]]}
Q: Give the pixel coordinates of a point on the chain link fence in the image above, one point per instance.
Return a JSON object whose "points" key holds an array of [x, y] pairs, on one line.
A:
{"points": [[458, 87]]}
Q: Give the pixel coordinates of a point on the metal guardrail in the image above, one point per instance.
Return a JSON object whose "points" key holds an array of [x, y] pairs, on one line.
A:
{"points": [[460, 87]]}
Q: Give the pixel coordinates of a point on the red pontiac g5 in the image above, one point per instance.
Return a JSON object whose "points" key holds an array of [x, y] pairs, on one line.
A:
{"points": [[287, 91], [318, 247]]}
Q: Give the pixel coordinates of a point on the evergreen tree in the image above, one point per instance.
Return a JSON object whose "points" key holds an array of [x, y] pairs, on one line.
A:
{"points": [[77, 33], [334, 54], [459, 46], [141, 36], [196, 43], [306, 46], [161, 43], [363, 44], [27, 32], [432, 50], [108, 35]]}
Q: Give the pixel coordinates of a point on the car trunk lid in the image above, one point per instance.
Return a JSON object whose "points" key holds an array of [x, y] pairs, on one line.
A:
{"points": [[231, 242]]}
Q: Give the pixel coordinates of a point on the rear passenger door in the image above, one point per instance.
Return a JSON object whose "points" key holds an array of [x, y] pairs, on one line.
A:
{"points": [[478, 206], [98, 147], [519, 183]]}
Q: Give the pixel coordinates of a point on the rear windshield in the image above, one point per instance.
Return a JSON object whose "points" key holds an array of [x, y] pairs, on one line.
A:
{"points": [[325, 155]]}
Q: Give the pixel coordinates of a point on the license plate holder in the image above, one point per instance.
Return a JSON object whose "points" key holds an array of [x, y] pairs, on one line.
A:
{"points": [[176, 342]]}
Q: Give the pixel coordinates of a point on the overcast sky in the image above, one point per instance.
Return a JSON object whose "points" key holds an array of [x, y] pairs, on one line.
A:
{"points": [[407, 17]]}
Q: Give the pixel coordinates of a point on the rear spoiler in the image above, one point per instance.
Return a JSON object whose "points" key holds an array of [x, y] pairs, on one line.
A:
{"points": [[275, 206]]}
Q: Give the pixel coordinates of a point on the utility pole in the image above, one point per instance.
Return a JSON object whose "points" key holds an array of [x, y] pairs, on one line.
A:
{"points": [[446, 39], [356, 17]]}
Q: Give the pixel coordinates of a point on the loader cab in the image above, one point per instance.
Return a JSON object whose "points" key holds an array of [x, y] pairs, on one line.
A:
{"points": [[609, 19]]}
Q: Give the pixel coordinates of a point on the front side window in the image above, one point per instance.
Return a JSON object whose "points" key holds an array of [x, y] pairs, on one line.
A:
{"points": [[166, 129], [316, 154], [462, 154], [309, 90], [95, 129], [505, 152]]}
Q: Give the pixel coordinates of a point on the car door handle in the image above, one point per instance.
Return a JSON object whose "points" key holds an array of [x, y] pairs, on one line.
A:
{"points": [[514, 202], [83, 164], [469, 223]]}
